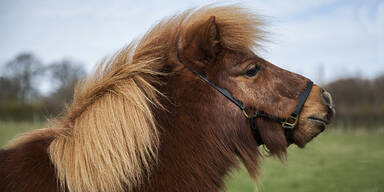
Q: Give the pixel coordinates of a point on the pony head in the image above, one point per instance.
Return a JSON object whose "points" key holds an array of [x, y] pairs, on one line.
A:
{"points": [[219, 44]]}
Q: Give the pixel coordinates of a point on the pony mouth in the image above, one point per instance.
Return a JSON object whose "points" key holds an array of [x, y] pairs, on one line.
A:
{"points": [[319, 121]]}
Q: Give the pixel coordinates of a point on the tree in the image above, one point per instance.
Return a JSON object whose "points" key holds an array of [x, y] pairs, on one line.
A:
{"points": [[64, 76], [359, 102], [22, 72], [9, 90]]}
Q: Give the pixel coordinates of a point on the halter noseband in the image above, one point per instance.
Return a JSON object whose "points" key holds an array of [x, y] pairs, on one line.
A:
{"points": [[288, 124]]}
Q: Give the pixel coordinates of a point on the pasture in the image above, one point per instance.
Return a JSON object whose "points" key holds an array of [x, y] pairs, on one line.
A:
{"points": [[336, 161]]}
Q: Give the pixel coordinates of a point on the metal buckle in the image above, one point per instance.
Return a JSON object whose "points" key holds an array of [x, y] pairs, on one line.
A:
{"points": [[290, 122], [245, 114]]}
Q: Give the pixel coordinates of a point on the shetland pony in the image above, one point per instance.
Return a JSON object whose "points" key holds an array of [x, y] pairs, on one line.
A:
{"points": [[145, 121]]}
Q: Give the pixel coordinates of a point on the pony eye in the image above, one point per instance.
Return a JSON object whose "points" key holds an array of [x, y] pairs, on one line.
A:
{"points": [[252, 71]]}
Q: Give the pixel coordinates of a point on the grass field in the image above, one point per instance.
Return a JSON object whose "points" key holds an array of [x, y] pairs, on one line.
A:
{"points": [[336, 161]]}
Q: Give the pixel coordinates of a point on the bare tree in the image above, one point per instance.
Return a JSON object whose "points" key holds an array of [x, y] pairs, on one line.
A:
{"points": [[359, 101], [20, 98], [64, 75], [22, 71]]}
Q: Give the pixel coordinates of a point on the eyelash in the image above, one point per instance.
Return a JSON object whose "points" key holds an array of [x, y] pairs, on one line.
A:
{"points": [[252, 71]]}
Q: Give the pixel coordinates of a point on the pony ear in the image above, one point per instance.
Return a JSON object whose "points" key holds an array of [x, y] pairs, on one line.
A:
{"points": [[201, 42], [210, 37]]}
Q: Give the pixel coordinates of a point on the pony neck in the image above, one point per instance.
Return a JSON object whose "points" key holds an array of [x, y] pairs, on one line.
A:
{"points": [[194, 154]]}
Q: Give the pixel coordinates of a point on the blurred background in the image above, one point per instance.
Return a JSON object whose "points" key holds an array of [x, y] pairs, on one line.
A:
{"points": [[46, 46]]}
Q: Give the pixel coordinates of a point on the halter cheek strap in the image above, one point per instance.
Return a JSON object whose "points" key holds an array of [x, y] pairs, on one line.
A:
{"points": [[223, 91]]}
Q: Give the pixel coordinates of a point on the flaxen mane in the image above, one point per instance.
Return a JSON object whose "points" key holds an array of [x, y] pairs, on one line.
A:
{"points": [[108, 139]]}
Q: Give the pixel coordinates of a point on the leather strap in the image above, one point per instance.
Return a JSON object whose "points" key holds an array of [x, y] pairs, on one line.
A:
{"points": [[255, 131], [288, 129], [255, 127], [223, 91], [302, 98]]}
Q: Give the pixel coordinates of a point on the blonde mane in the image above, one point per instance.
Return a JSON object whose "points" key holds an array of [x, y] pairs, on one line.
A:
{"points": [[108, 139]]}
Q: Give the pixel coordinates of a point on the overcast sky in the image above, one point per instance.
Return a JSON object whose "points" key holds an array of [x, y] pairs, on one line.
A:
{"points": [[323, 40]]}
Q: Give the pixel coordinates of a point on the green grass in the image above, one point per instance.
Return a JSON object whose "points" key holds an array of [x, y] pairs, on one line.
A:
{"points": [[336, 161], [8, 130]]}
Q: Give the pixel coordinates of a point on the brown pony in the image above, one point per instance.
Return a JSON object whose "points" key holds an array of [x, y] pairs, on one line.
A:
{"points": [[145, 121]]}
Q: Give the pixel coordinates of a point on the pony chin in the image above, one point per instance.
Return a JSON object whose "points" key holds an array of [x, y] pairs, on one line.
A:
{"points": [[273, 137], [304, 135]]}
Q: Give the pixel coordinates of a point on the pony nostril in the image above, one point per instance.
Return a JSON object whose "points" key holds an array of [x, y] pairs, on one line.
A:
{"points": [[326, 98], [331, 113]]}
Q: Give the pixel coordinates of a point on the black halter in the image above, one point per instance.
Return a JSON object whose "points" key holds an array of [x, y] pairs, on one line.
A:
{"points": [[288, 124]]}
